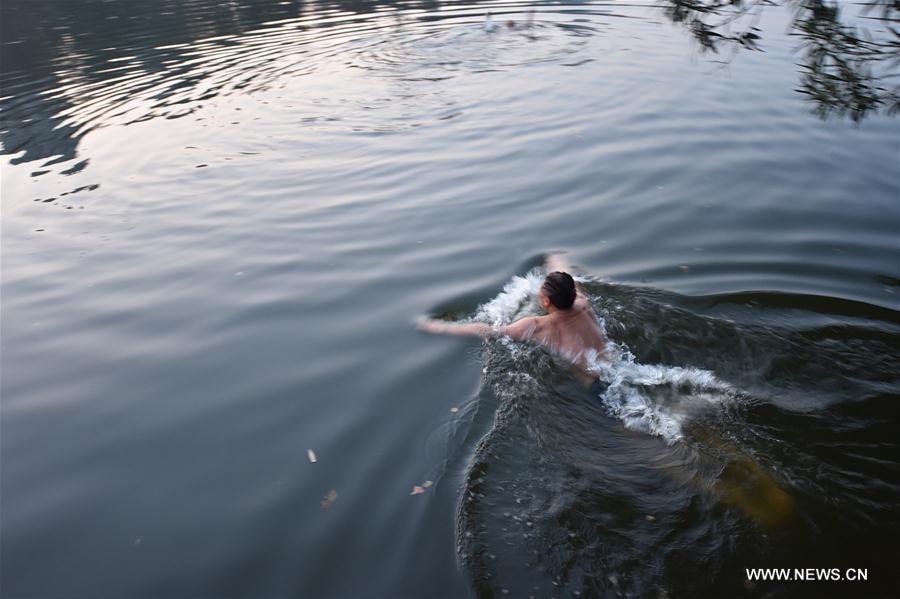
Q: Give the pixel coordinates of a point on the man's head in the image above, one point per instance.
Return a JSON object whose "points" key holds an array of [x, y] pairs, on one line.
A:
{"points": [[559, 290]]}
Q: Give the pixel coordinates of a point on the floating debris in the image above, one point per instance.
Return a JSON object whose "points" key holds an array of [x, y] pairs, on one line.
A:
{"points": [[419, 489], [454, 410], [329, 499], [651, 518], [312, 456]]}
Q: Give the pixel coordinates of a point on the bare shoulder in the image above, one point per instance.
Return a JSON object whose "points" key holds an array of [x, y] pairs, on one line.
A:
{"points": [[524, 328], [582, 304]]}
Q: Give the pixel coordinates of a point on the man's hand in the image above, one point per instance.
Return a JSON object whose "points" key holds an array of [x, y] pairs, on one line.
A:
{"points": [[556, 262], [432, 325]]}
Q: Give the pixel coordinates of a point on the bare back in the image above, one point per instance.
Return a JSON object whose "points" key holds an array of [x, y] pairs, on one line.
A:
{"points": [[572, 333]]}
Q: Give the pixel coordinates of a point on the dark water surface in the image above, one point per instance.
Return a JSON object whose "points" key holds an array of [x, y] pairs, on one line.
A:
{"points": [[220, 221]]}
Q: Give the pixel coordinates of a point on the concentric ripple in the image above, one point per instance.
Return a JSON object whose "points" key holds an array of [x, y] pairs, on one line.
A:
{"points": [[84, 90], [220, 220]]}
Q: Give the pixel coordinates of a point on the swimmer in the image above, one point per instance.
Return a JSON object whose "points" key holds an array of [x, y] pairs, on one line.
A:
{"points": [[569, 327], [489, 26]]}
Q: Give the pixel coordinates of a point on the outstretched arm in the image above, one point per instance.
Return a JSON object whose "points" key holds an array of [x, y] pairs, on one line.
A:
{"points": [[519, 330], [468, 329]]}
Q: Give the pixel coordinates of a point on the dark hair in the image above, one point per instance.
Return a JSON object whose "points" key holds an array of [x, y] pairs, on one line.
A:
{"points": [[560, 288]]}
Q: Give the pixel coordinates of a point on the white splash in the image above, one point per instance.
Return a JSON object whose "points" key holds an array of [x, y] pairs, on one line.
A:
{"points": [[517, 300], [489, 26], [657, 399], [651, 398]]}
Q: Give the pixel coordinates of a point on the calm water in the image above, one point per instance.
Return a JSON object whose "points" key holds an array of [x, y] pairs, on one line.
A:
{"points": [[220, 221]]}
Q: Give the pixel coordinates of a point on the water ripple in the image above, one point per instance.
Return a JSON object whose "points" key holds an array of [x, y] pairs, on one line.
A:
{"points": [[83, 90]]}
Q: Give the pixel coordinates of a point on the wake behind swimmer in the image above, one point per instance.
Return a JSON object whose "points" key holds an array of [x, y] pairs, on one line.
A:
{"points": [[653, 399]]}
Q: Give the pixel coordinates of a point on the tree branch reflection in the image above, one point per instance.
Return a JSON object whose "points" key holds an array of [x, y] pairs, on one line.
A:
{"points": [[844, 70]]}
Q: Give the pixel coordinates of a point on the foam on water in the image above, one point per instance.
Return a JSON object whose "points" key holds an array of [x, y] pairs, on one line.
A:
{"points": [[651, 398], [657, 399], [517, 300]]}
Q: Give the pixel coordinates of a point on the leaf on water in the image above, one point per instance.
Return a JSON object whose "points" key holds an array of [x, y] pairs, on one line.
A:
{"points": [[329, 499], [419, 489], [312, 456]]}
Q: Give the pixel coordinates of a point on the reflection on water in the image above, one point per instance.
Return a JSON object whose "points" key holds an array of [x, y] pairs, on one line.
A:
{"points": [[68, 81], [846, 71], [62, 78], [843, 68], [220, 219]]}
